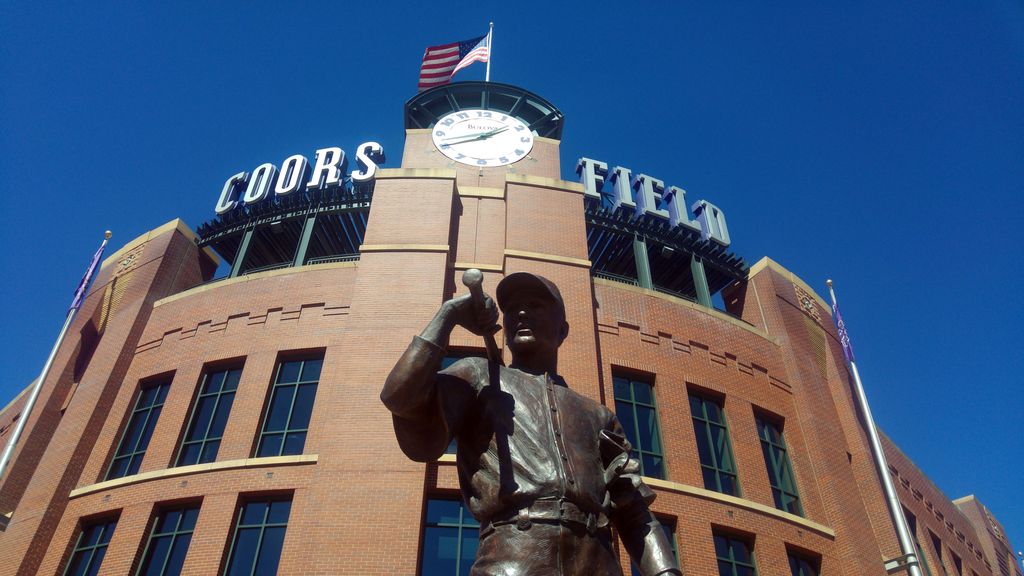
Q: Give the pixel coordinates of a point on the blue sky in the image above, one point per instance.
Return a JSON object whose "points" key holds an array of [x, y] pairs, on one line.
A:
{"points": [[876, 143]]}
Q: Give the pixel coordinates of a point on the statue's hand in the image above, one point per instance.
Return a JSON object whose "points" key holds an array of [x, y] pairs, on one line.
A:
{"points": [[466, 312]]}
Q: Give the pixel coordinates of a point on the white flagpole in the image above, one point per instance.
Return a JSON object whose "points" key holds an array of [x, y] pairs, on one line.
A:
{"points": [[907, 548], [490, 53], [38, 384]]}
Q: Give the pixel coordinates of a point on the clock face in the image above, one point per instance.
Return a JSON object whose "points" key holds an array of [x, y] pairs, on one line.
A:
{"points": [[482, 138]]}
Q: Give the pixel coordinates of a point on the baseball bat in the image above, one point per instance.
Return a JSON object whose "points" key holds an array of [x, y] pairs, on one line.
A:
{"points": [[474, 280]]}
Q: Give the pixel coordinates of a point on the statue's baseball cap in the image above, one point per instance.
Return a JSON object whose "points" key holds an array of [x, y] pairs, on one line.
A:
{"points": [[526, 282]]}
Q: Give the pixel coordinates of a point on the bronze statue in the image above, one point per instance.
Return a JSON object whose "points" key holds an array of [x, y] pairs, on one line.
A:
{"points": [[543, 469]]}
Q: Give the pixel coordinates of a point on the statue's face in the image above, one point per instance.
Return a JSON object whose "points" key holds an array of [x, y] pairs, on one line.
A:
{"points": [[534, 322]]}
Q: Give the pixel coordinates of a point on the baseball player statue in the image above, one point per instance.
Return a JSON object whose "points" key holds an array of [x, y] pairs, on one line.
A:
{"points": [[547, 472]]}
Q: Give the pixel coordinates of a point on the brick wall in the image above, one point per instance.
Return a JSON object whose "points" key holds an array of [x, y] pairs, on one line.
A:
{"points": [[357, 501]]}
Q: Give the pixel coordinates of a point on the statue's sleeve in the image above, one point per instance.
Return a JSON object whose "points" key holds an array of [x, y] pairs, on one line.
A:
{"points": [[630, 499], [424, 405]]}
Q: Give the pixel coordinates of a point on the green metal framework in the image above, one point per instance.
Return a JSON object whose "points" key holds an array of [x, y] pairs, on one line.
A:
{"points": [[780, 470], [168, 542], [209, 417], [647, 252], [267, 520], [735, 556], [718, 466], [541, 116], [308, 227], [440, 527], [637, 412], [291, 399], [135, 438], [90, 548]]}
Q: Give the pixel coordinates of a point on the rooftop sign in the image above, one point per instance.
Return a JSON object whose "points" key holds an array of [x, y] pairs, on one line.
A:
{"points": [[294, 175], [646, 195]]}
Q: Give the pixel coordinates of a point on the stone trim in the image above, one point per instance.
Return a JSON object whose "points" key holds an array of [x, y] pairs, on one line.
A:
{"points": [[740, 503], [196, 469], [481, 192], [438, 173], [479, 266], [547, 257], [403, 248], [554, 184]]}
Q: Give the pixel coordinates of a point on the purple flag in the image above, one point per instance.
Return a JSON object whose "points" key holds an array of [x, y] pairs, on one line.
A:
{"points": [[844, 338], [87, 279]]}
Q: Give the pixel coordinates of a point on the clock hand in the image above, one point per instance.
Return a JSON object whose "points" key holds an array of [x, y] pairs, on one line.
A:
{"points": [[469, 139], [493, 132]]}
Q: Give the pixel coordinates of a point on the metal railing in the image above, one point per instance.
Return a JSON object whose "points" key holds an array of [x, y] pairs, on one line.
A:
{"points": [[337, 258], [616, 278], [267, 268]]}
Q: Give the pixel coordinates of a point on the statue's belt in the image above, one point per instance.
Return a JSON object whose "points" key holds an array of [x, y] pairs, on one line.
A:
{"points": [[547, 512]]}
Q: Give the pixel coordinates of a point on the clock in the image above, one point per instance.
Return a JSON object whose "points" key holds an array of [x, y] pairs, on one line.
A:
{"points": [[482, 138]]}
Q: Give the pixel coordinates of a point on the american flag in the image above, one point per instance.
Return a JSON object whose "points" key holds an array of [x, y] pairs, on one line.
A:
{"points": [[440, 63]]}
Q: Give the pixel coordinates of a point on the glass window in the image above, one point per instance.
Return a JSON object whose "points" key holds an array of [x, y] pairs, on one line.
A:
{"points": [[735, 556], [670, 533], [912, 526], [450, 538], [958, 564], [90, 548], [139, 430], [713, 445], [802, 564], [937, 548], [168, 542], [291, 405], [636, 410], [780, 471], [209, 417], [259, 538]]}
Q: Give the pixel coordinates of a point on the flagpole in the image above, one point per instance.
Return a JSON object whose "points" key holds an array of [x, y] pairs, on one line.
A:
{"points": [[907, 548], [38, 384], [490, 53]]}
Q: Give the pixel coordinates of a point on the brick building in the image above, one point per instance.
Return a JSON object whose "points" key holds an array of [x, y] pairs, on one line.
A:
{"points": [[203, 425]]}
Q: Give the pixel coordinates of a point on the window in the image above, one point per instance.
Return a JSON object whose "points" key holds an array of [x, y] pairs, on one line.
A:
{"points": [[168, 542], [912, 526], [209, 417], [735, 556], [958, 564], [635, 408], [670, 534], [259, 537], [450, 538], [937, 547], [90, 548], [291, 404], [139, 430], [776, 460], [713, 446], [802, 565]]}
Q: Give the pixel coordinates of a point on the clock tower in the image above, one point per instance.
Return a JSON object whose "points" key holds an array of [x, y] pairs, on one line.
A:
{"points": [[483, 131]]}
